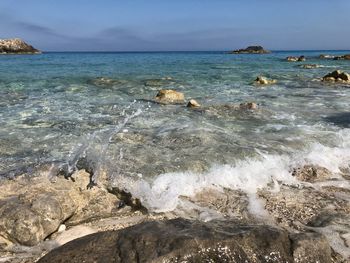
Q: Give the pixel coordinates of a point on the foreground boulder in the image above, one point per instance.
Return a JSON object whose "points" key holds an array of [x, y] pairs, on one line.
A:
{"points": [[169, 96], [251, 50], [181, 240], [264, 81], [33, 208], [16, 46], [337, 76]]}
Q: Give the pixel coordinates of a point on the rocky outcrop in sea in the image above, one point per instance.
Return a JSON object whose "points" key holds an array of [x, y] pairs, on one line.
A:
{"points": [[16, 46], [251, 50]]}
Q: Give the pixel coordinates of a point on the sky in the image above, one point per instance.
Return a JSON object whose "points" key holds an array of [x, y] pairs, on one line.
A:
{"points": [[177, 25]]}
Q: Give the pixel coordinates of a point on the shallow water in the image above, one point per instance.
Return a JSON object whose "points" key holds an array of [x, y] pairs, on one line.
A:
{"points": [[54, 108]]}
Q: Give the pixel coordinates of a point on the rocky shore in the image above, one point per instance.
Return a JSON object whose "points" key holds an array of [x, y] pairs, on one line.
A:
{"points": [[16, 46], [45, 212]]}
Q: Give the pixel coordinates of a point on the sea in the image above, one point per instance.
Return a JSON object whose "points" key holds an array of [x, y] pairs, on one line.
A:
{"points": [[59, 108]]}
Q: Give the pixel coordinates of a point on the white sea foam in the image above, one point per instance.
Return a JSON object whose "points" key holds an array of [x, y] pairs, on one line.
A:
{"points": [[162, 193]]}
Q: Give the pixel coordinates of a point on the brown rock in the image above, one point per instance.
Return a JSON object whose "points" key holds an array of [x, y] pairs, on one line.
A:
{"points": [[33, 208], [168, 96]]}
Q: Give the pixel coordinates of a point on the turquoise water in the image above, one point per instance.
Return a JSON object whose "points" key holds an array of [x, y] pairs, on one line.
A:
{"points": [[55, 109]]}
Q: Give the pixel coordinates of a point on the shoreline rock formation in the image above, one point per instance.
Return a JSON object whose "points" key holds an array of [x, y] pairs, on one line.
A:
{"points": [[16, 46], [181, 240], [251, 50]]}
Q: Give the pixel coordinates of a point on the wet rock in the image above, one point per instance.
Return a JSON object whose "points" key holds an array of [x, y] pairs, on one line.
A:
{"points": [[343, 57], [227, 203], [310, 66], [251, 50], [264, 81], [180, 240], [295, 59], [16, 46], [193, 104], [168, 96], [127, 198], [311, 173], [33, 208], [337, 76], [294, 207], [323, 56], [311, 247]]}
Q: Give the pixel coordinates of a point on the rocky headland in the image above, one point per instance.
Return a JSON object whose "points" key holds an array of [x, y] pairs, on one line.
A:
{"points": [[16, 46]]}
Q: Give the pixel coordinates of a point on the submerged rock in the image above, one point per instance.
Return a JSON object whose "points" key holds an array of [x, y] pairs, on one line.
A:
{"points": [[16, 46], [310, 66], [294, 59], [193, 104], [337, 76], [104, 81], [180, 240], [168, 96], [159, 82], [251, 50], [264, 81]]}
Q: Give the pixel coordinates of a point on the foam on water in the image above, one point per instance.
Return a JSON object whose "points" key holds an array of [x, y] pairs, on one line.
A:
{"points": [[162, 193]]}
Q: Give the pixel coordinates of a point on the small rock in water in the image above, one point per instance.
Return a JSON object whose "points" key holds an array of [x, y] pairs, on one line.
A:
{"points": [[337, 76], [169, 96], [193, 104], [264, 81], [295, 59], [323, 56], [310, 66]]}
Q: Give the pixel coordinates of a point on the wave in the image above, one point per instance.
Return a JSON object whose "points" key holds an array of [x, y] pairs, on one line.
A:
{"points": [[163, 193]]}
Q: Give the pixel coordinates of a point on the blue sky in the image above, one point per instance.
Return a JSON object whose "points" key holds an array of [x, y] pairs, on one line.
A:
{"points": [[151, 25]]}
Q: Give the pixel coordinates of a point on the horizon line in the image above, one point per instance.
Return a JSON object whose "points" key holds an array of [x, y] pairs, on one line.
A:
{"points": [[174, 51]]}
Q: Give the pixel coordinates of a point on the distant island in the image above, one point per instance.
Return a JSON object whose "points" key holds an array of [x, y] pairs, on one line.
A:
{"points": [[251, 50], [16, 46]]}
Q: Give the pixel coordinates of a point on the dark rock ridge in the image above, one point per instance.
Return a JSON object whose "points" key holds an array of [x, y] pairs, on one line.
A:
{"points": [[181, 240], [251, 50], [16, 46]]}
